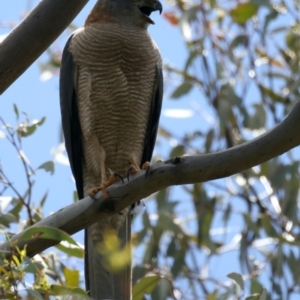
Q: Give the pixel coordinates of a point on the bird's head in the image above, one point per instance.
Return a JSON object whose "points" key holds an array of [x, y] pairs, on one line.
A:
{"points": [[146, 7], [136, 12]]}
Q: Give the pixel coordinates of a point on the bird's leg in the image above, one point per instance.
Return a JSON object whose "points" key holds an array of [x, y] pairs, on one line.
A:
{"points": [[113, 178], [134, 168]]}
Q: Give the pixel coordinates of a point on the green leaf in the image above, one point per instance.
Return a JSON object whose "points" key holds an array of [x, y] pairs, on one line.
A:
{"points": [[35, 294], [209, 139], [17, 207], [162, 290], [181, 90], [32, 266], [273, 95], [48, 166], [25, 130], [138, 272], [172, 248], [255, 286], [70, 249], [145, 286], [193, 54], [163, 202], [146, 221], [16, 110], [250, 224], [269, 227], [271, 16], [265, 3], [263, 295], [240, 40], [72, 277], [226, 115], [227, 213], [42, 202], [277, 288], [258, 119], [253, 297], [179, 262], [41, 122], [166, 221], [139, 236], [243, 12], [163, 132], [61, 290], [292, 38], [46, 232], [177, 151], [238, 278], [7, 219]]}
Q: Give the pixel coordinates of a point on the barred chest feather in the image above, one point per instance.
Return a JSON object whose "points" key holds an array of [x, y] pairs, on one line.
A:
{"points": [[117, 66], [116, 75]]}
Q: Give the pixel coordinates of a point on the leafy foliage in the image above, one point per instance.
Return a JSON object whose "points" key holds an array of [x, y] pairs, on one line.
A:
{"points": [[236, 238]]}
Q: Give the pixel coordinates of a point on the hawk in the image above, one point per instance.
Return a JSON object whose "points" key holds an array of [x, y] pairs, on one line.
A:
{"points": [[111, 88]]}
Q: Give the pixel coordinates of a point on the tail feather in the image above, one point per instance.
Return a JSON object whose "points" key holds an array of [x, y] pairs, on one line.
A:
{"points": [[122, 280], [101, 282]]}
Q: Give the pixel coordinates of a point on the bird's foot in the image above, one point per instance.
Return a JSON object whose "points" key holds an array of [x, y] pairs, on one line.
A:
{"points": [[146, 166], [132, 169], [113, 178]]}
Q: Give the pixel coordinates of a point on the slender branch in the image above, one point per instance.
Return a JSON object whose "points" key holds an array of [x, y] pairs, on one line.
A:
{"points": [[176, 171], [33, 36]]}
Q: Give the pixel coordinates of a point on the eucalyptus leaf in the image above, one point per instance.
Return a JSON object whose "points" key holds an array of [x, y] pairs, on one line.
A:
{"points": [[238, 278], [181, 90], [48, 166], [145, 286], [243, 12]]}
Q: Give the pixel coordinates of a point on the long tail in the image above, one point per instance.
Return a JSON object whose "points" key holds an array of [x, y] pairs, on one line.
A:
{"points": [[100, 282]]}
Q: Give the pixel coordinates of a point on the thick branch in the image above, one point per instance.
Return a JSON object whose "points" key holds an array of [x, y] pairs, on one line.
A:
{"points": [[187, 169], [33, 36]]}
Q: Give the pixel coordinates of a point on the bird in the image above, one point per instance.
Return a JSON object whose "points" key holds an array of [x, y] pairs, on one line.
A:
{"points": [[111, 90]]}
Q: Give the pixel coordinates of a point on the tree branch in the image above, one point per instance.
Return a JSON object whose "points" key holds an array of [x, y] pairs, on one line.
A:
{"points": [[176, 171], [33, 36]]}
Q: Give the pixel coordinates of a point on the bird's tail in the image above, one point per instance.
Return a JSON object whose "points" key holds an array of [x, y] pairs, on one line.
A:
{"points": [[104, 282]]}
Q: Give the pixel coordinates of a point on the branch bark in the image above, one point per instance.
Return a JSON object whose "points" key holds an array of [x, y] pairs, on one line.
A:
{"points": [[176, 171], [33, 36]]}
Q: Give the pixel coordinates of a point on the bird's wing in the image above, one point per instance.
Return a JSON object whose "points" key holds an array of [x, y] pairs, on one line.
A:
{"points": [[153, 117], [71, 126], [70, 117]]}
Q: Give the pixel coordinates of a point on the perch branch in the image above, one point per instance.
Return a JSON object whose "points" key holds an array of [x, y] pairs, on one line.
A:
{"points": [[176, 171], [33, 36]]}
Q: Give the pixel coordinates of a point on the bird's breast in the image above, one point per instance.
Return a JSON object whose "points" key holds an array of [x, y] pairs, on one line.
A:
{"points": [[116, 78]]}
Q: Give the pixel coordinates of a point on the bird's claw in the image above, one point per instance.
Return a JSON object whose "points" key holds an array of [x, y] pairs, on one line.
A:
{"points": [[119, 176], [128, 172], [146, 167], [132, 169], [104, 185], [93, 191]]}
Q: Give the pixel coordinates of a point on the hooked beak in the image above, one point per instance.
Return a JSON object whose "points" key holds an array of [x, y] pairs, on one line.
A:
{"points": [[147, 10]]}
